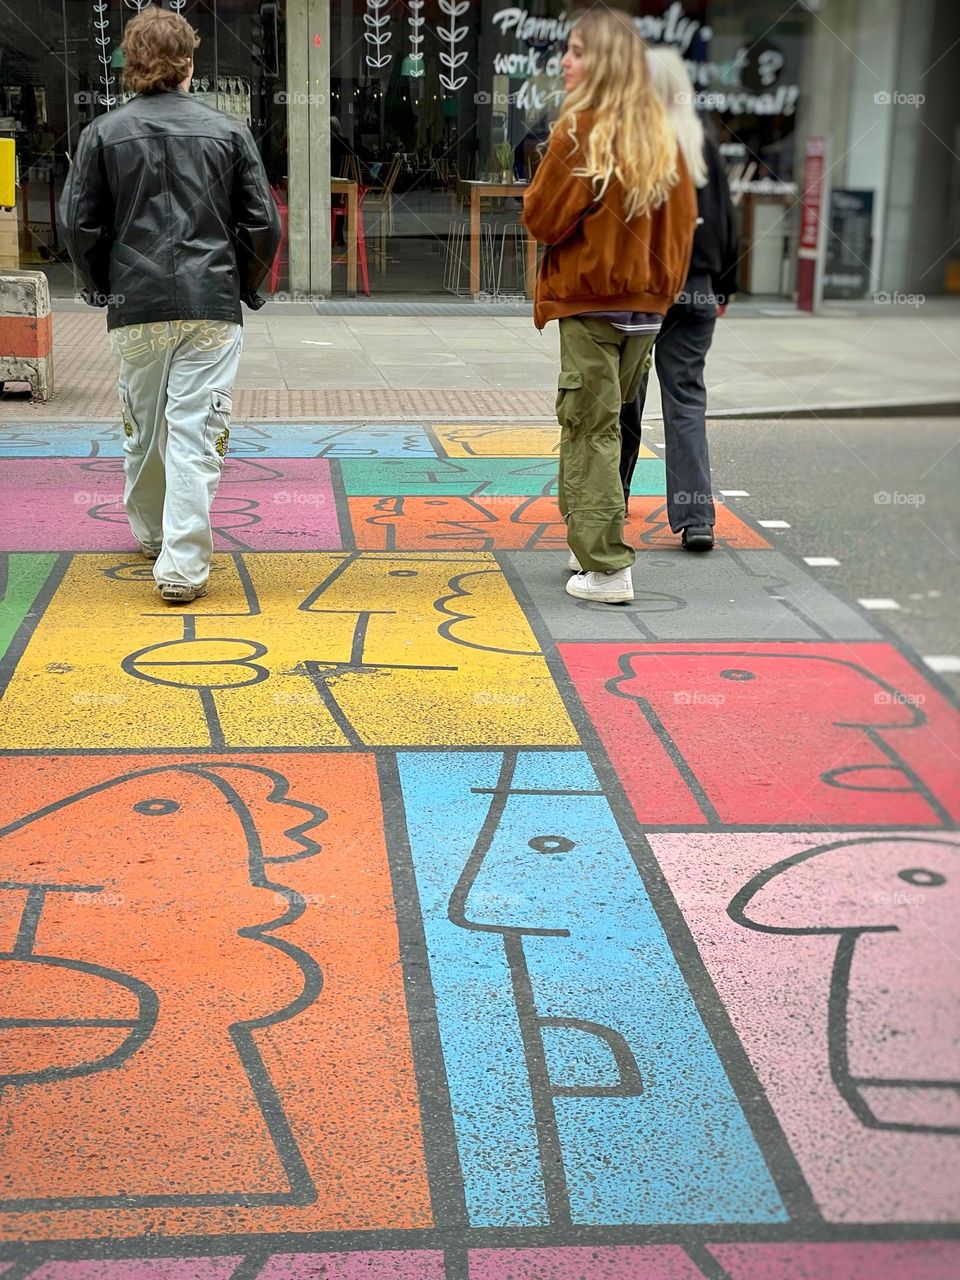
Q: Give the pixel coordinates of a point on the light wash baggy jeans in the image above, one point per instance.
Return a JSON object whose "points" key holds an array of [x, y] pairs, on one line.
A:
{"points": [[176, 379]]}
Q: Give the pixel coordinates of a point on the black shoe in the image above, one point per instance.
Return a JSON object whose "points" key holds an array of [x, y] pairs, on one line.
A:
{"points": [[698, 537]]}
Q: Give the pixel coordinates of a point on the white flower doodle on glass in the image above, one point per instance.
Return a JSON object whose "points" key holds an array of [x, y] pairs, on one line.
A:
{"points": [[101, 23], [377, 32], [452, 35], [416, 21]]}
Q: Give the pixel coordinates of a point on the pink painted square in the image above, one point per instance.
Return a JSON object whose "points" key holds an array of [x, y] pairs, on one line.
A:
{"points": [[854, 1260], [834, 955], [649, 1262], [138, 1269], [76, 504], [409, 1264]]}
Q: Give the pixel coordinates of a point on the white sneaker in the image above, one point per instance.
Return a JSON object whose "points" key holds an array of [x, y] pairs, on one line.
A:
{"points": [[573, 564], [605, 588]]}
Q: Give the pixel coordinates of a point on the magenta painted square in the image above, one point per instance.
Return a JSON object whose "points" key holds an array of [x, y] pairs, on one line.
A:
{"points": [[834, 955], [630, 1262], [411, 1264], [854, 1260], [139, 1269], [74, 504]]}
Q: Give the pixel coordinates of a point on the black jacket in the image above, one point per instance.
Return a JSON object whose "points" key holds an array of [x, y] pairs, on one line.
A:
{"points": [[716, 241], [167, 213]]}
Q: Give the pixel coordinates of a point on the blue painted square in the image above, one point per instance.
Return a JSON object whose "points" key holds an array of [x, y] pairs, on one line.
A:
{"points": [[583, 1083], [323, 440]]}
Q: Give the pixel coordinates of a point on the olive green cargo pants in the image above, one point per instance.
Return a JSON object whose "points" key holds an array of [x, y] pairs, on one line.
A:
{"points": [[600, 369]]}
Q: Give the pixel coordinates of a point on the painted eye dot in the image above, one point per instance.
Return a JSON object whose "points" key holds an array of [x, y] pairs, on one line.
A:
{"points": [[734, 673], [551, 844], [922, 878], [154, 808], [403, 573]]}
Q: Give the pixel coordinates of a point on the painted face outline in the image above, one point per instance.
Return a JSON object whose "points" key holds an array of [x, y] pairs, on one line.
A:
{"points": [[848, 1084]]}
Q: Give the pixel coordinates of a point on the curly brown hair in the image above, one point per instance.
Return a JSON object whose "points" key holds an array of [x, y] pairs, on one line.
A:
{"points": [[157, 49]]}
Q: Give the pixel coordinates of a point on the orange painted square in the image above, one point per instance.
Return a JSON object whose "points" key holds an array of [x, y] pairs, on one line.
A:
{"points": [[452, 523], [231, 919]]}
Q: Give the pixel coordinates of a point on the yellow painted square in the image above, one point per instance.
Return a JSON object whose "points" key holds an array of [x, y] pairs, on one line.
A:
{"points": [[501, 440], [312, 650]]}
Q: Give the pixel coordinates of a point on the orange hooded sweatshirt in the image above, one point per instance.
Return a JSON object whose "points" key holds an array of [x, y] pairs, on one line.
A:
{"points": [[596, 261]]}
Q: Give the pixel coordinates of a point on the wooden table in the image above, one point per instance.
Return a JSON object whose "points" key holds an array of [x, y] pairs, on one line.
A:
{"points": [[487, 191], [348, 188]]}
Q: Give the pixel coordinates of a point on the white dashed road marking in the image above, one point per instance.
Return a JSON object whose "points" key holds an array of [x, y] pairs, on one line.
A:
{"points": [[944, 663]]}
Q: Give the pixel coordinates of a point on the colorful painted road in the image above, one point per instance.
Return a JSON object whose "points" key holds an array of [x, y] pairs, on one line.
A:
{"points": [[389, 915]]}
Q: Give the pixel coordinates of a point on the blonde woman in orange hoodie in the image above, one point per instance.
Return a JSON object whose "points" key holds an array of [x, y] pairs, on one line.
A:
{"points": [[616, 208]]}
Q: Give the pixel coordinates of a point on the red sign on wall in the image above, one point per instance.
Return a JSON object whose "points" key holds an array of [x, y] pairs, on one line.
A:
{"points": [[812, 223]]}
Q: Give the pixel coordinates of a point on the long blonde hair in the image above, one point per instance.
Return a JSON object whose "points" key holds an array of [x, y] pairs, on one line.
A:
{"points": [[630, 138], [672, 82]]}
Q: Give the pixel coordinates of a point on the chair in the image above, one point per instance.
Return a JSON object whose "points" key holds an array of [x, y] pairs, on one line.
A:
{"points": [[458, 257], [516, 234], [341, 212], [380, 202], [280, 257], [350, 169]]}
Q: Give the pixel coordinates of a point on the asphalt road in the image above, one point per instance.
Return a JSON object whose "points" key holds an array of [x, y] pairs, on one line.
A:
{"points": [[879, 495]]}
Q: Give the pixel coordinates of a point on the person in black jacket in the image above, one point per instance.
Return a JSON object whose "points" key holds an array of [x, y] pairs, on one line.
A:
{"points": [[687, 332], [169, 220]]}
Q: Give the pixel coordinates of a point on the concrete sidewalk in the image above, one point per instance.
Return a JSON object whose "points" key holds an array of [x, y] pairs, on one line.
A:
{"points": [[298, 365]]}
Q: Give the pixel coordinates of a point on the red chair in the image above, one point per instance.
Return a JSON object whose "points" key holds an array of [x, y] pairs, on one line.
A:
{"points": [[340, 211], [280, 257]]}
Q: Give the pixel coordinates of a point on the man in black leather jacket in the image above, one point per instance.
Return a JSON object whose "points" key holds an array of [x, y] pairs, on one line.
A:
{"points": [[169, 219]]}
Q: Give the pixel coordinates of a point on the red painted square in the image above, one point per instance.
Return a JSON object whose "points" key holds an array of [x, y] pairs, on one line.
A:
{"points": [[787, 734]]}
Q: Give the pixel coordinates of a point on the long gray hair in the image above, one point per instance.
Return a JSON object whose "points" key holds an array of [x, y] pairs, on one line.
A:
{"points": [[672, 82]]}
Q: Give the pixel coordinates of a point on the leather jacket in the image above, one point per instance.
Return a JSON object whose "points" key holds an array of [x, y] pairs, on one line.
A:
{"points": [[167, 213]]}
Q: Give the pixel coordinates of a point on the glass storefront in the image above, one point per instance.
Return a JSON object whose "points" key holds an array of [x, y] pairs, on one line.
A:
{"points": [[61, 65], [429, 95], [398, 108]]}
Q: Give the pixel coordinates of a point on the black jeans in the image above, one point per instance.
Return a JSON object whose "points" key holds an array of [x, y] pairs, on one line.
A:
{"points": [[680, 352]]}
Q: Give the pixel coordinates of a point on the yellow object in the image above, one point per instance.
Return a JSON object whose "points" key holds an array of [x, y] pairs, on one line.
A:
{"points": [[483, 440], [9, 240], [340, 649], [8, 173]]}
